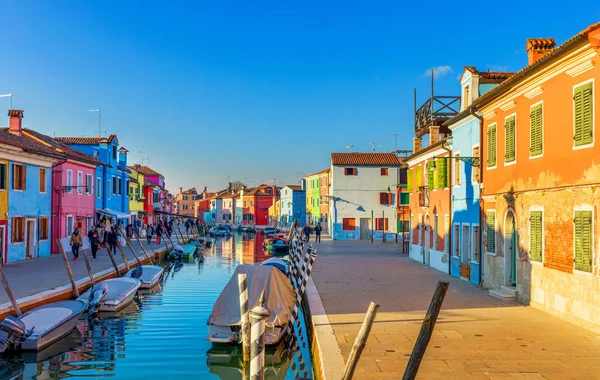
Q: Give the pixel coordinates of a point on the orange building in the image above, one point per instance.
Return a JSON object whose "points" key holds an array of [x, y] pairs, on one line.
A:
{"points": [[541, 171], [185, 201]]}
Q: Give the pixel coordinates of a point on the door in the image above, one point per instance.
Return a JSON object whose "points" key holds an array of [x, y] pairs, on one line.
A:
{"points": [[365, 229], [510, 253], [465, 268], [2, 245], [30, 245], [427, 232]]}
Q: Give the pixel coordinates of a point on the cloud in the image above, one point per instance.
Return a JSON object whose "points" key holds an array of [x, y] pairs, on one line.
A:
{"points": [[499, 68], [438, 71]]}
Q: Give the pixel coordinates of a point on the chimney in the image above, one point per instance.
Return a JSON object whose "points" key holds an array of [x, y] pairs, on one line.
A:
{"points": [[229, 188], [417, 144], [15, 122], [123, 156], [434, 134], [538, 47], [180, 190]]}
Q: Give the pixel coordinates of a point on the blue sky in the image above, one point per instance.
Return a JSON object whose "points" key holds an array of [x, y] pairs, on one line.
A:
{"points": [[254, 90]]}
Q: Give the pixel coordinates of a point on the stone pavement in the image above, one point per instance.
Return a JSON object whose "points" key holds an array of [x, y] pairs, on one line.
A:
{"points": [[476, 336], [30, 277]]}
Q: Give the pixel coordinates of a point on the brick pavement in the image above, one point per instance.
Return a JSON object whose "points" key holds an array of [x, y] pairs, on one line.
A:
{"points": [[476, 336]]}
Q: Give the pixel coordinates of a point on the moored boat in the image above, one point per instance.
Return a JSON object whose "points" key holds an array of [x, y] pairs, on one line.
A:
{"points": [[276, 244], [149, 276], [184, 251], [41, 326], [111, 295]]}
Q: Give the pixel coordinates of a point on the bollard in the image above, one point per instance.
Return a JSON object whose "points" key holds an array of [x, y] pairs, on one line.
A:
{"points": [[244, 332], [258, 315]]}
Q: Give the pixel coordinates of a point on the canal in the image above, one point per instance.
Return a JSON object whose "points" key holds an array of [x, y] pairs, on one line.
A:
{"points": [[162, 334]]}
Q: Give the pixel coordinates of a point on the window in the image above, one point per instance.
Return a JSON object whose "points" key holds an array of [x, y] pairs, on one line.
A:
{"points": [[251, 204], [381, 224], [69, 181], [509, 143], [244, 203], [348, 224], [127, 187], [583, 117], [474, 169], [19, 177], [350, 171], [419, 176], [108, 189], [119, 185], [456, 241], [583, 241], [457, 170], [114, 185], [2, 176], [535, 236], [385, 198], [43, 228], [185, 207], [385, 171], [491, 146], [430, 174], [409, 180], [88, 184], [490, 245], [79, 183], [466, 99], [446, 233], [435, 231], [88, 224], [69, 225], [42, 180], [476, 244], [442, 172], [536, 130], [98, 187], [114, 152], [18, 229]]}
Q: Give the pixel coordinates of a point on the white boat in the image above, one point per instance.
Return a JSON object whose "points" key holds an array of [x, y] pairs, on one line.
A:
{"points": [[224, 320], [111, 295], [41, 326], [149, 276]]}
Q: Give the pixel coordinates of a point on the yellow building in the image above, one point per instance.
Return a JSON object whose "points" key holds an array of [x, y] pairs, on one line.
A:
{"points": [[136, 194], [275, 211]]}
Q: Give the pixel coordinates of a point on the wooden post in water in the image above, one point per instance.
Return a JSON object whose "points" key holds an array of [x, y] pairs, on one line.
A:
{"points": [[131, 248], [176, 235], [142, 247], [10, 294], [244, 317], [123, 255], [426, 330], [68, 266], [259, 314], [360, 341], [88, 266]]}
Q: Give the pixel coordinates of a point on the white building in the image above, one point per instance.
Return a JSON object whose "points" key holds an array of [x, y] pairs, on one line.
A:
{"points": [[362, 202]]}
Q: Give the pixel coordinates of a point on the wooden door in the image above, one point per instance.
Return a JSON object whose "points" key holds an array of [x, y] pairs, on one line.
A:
{"points": [[30, 242], [365, 229]]}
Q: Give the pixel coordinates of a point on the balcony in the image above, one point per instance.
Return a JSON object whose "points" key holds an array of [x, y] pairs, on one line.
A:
{"points": [[434, 112], [424, 196]]}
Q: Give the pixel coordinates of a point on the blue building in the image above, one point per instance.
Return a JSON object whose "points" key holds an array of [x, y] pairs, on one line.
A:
{"points": [[466, 233], [293, 205], [26, 187], [112, 180]]}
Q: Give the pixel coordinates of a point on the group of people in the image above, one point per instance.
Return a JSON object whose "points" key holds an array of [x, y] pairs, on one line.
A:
{"points": [[307, 230], [105, 233]]}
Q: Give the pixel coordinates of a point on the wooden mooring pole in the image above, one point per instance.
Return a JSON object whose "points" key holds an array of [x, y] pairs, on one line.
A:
{"points": [[122, 252], [114, 263], [142, 247], [244, 316], [426, 331], [131, 248], [68, 266], [10, 294], [88, 266], [360, 341]]}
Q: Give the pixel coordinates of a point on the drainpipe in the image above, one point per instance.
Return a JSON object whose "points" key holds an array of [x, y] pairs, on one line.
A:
{"points": [[475, 112], [450, 229]]}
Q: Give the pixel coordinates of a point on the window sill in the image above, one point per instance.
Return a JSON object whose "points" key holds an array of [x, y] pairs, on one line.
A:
{"points": [[579, 147], [583, 273], [491, 167], [17, 242], [537, 263], [491, 253], [511, 163], [536, 157]]}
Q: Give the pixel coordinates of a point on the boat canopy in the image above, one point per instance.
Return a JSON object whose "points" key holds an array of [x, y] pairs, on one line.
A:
{"points": [[279, 296]]}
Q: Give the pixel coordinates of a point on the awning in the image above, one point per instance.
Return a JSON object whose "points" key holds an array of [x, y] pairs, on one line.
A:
{"points": [[112, 213], [173, 214]]}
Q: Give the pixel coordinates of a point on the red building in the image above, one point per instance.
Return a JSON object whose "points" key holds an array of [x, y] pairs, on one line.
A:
{"points": [[256, 203]]}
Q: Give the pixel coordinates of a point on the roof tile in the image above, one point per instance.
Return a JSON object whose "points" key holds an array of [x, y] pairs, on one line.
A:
{"points": [[365, 159], [85, 140]]}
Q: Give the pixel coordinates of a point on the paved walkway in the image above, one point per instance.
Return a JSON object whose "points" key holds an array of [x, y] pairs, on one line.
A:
{"points": [[29, 277], [476, 336]]}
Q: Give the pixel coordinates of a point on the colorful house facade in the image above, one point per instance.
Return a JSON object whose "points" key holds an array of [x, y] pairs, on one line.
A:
{"points": [[256, 203], [112, 199], [362, 203], [293, 206], [324, 188], [185, 202], [136, 196], [540, 180], [313, 197], [466, 215]]}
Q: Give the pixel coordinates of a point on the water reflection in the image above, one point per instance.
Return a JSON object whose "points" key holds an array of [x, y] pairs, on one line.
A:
{"points": [[163, 332]]}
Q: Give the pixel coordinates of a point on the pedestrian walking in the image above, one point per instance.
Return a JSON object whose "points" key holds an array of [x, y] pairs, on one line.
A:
{"points": [[112, 241], [75, 242], [318, 230], [94, 243], [159, 232], [149, 232]]}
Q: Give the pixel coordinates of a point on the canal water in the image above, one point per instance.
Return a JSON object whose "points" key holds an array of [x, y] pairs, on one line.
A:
{"points": [[162, 334]]}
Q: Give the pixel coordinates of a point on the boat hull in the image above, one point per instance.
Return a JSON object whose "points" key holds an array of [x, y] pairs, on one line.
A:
{"points": [[150, 276], [61, 328], [121, 292], [225, 335]]}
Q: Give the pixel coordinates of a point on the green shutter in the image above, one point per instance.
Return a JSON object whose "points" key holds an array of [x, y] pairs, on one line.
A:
{"points": [[535, 125], [404, 198], [491, 232], [434, 174], [491, 158], [429, 168], [442, 172], [583, 113], [419, 176], [583, 241], [409, 180], [536, 229], [510, 139]]}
